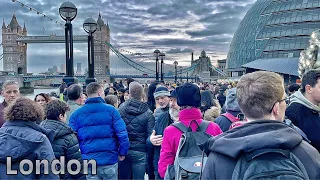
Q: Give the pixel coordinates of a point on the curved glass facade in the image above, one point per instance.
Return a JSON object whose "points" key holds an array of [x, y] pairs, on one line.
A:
{"points": [[273, 29]]}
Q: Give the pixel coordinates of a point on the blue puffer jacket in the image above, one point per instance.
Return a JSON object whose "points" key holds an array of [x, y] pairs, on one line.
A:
{"points": [[101, 132]]}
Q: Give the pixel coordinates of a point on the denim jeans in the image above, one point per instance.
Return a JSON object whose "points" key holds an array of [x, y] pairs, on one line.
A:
{"points": [[104, 173], [135, 163]]}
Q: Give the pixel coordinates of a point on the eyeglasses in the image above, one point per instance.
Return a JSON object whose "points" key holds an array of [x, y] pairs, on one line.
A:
{"points": [[285, 99]]}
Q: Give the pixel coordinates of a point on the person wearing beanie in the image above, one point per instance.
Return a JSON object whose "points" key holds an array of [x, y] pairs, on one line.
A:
{"points": [[161, 95], [222, 95], [232, 110], [164, 120], [189, 100]]}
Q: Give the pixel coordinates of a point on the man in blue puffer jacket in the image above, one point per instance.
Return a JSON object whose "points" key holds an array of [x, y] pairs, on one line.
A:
{"points": [[101, 132]]}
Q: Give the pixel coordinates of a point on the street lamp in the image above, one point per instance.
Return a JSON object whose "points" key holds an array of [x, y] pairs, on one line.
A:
{"points": [[162, 55], [68, 12], [180, 74], [90, 26], [156, 54], [175, 63]]}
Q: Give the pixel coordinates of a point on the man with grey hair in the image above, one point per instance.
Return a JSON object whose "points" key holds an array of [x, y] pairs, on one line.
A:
{"points": [[74, 93], [10, 92], [101, 132], [140, 121]]}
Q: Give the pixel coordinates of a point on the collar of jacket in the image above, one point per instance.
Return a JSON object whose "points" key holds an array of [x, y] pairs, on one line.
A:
{"points": [[190, 114], [31, 124], [95, 100], [5, 104], [69, 102]]}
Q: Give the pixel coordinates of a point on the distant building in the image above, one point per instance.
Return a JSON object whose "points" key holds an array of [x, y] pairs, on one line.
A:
{"points": [[79, 71], [50, 70], [55, 69], [63, 68], [14, 53], [222, 65], [271, 36]]}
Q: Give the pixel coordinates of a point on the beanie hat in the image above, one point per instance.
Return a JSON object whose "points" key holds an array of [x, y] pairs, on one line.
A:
{"points": [[161, 91], [174, 94], [189, 95], [231, 101]]}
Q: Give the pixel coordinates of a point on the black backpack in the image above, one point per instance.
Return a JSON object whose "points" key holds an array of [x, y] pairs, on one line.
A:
{"points": [[270, 164], [190, 157]]}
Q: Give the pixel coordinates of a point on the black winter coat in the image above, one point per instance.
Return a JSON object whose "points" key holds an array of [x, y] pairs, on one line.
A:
{"points": [[226, 148], [139, 121], [65, 143], [307, 120]]}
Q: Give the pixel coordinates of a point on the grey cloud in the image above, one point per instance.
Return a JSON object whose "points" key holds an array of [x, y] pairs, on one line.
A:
{"points": [[178, 50], [128, 21]]}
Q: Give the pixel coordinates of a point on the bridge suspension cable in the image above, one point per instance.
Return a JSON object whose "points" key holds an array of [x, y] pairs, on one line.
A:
{"points": [[129, 61], [217, 70]]}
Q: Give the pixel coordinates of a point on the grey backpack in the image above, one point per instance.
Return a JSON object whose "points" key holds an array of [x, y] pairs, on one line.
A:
{"points": [[190, 157], [270, 164]]}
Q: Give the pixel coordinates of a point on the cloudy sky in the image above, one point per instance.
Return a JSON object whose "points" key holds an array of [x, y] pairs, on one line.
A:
{"points": [[176, 27]]}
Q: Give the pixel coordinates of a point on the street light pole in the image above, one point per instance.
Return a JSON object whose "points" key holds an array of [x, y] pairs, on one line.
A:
{"points": [[90, 26], [162, 55], [68, 12], [187, 76], [180, 74], [156, 54], [175, 67]]}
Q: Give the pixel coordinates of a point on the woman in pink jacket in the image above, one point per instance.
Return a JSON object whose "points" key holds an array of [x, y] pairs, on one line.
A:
{"points": [[189, 99]]}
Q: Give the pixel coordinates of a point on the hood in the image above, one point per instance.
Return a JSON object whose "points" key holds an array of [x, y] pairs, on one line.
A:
{"points": [[60, 128], [255, 135], [135, 107], [231, 103], [19, 147], [298, 97]]}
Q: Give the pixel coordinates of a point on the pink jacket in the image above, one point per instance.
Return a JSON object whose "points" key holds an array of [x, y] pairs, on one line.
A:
{"points": [[171, 137]]}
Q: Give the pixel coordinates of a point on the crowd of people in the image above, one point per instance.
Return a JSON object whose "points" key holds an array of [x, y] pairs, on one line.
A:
{"points": [[133, 130]]}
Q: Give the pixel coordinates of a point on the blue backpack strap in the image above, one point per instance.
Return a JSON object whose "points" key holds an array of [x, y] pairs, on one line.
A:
{"points": [[203, 126], [180, 126]]}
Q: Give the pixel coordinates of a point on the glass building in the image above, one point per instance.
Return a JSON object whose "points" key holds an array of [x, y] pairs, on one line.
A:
{"points": [[271, 36]]}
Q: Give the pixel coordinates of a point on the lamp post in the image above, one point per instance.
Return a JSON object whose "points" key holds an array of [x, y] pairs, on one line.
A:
{"points": [[180, 74], [187, 76], [175, 63], [156, 54], [90, 26], [68, 12], [162, 55]]}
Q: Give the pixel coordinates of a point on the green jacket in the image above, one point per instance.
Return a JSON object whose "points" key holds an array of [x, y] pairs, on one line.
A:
{"points": [[73, 107]]}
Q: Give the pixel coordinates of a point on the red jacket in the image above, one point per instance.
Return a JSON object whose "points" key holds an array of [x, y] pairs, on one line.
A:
{"points": [[171, 137]]}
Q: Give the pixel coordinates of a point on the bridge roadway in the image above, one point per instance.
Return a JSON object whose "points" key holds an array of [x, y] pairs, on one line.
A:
{"points": [[82, 78], [51, 39], [28, 79]]}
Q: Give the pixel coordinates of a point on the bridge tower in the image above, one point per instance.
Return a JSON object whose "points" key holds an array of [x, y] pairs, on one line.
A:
{"points": [[203, 63], [14, 53], [101, 49]]}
